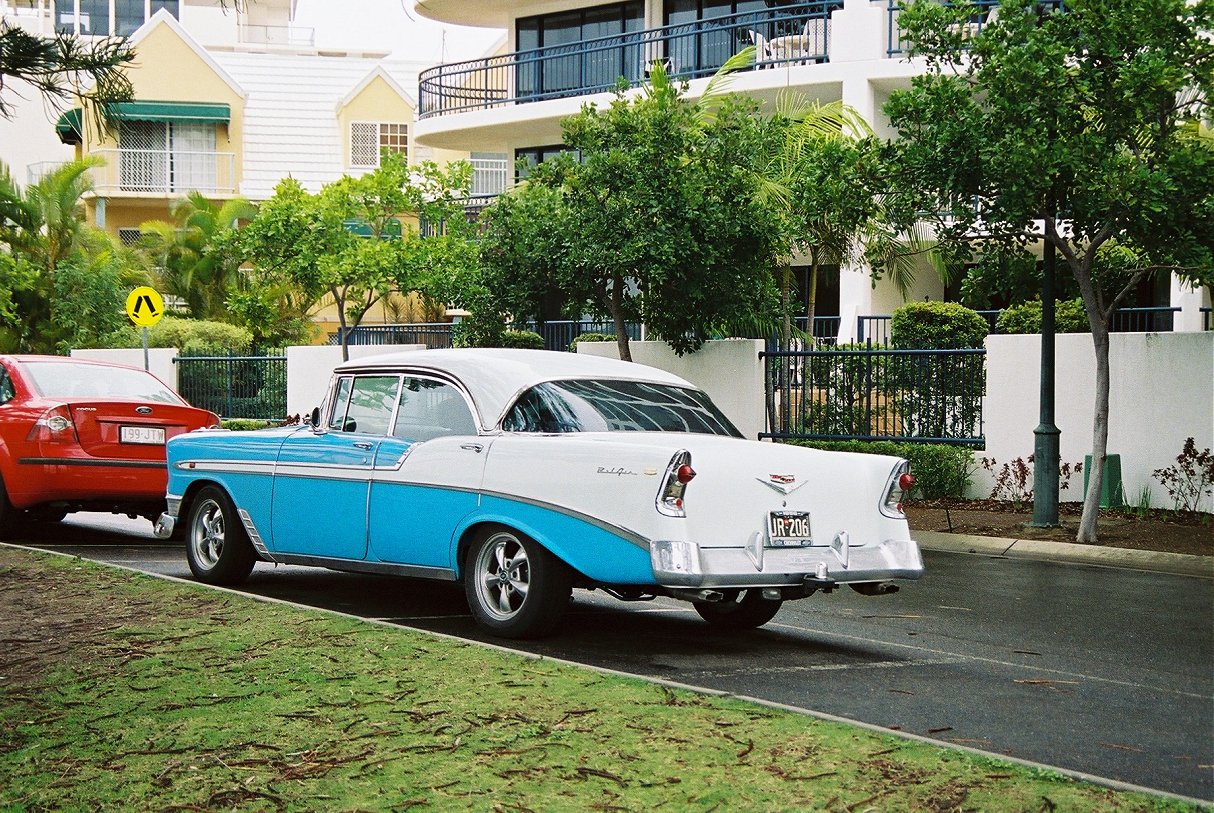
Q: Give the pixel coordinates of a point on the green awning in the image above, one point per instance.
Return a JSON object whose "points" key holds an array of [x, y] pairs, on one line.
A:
{"points": [[212, 112], [69, 128]]}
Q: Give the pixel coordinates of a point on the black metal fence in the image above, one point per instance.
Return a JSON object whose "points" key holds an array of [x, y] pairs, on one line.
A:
{"points": [[235, 386], [852, 394]]}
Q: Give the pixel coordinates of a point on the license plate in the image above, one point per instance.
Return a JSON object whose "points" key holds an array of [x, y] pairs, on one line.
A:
{"points": [[788, 529], [150, 435]]}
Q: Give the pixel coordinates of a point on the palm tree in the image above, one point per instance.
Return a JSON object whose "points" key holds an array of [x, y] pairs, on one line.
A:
{"points": [[184, 253]]}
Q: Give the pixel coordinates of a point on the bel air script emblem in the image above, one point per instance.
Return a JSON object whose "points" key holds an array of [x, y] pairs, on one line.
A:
{"points": [[783, 483]]}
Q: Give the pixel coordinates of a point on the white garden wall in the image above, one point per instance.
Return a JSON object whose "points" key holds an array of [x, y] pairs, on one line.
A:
{"points": [[160, 360], [729, 371], [1161, 392]]}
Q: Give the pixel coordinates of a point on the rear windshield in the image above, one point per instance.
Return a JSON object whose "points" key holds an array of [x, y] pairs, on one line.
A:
{"points": [[615, 406], [61, 379]]}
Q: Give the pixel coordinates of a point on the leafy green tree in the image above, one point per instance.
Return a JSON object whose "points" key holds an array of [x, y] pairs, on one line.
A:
{"points": [[188, 260], [1074, 124], [658, 221], [348, 242]]}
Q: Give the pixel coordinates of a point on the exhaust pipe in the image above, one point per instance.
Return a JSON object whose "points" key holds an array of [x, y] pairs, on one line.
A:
{"points": [[874, 588]]}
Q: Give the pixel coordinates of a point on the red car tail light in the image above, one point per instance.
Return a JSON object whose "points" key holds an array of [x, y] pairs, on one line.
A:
{"points": [[901, 483], [55, 426], [678, 474]]}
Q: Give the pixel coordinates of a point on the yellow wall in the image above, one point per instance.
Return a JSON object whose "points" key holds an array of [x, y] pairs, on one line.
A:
{"points": [[379, 102]]}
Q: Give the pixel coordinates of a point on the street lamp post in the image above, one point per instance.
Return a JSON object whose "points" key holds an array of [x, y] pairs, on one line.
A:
{"points": [[1046, 435]]}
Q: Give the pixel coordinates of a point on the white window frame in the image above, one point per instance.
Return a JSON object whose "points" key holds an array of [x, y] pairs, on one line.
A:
{"points": [[355, 156]]}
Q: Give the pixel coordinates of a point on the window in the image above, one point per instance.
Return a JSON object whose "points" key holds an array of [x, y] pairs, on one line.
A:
{"points": [[369, 138], [129, 237], [365, 404], [162, 156], [615, 406], [430, 409], [95, 19], [575, 51], [7, 392]]}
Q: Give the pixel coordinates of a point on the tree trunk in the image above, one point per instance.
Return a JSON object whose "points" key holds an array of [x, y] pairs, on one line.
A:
{"points": [[341, 326], [811, 294], [1100, 437], [785, 305], [615, 305]]}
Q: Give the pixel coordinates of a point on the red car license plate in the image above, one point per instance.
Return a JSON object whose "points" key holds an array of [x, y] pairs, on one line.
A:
{"points": [[788, 529], [148, 435]]}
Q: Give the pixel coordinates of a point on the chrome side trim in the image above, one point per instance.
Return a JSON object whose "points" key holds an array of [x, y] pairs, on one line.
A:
{"points": [[358, 566], [254, 537], [635, 538]]}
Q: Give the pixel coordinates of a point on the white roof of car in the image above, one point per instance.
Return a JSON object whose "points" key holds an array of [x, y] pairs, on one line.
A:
{"points": [[495, 377]]}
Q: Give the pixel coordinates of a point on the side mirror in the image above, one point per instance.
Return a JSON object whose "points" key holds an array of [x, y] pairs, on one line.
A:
{"points": [[314, 419]]}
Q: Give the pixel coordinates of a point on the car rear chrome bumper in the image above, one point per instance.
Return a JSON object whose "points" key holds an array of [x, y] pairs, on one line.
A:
{"points": [[167, 521], [685, 564]]}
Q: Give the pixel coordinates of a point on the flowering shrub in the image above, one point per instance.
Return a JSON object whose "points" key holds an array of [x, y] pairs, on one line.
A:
{"points": [[1190, 478]]}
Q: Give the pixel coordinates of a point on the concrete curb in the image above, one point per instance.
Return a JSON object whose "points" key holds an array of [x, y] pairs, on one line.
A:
{"points": [[1177, 564]]}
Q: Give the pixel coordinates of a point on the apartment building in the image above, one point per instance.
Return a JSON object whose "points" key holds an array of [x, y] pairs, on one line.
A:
{"points": [[561, 54], [228, 102]]}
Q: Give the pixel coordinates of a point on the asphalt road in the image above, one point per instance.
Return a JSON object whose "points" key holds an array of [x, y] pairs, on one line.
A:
{"points": [[1102, 671]]}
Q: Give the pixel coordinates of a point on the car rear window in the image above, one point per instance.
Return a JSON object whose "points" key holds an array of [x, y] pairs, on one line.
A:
{"points": [[615, 406], [60, 379]]}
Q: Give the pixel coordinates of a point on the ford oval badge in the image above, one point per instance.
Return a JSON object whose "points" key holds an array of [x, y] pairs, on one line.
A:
{"points": [[144, 410]]}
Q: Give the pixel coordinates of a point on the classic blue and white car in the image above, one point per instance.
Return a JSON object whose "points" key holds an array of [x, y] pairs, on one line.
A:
{"points": [[525, 473]]}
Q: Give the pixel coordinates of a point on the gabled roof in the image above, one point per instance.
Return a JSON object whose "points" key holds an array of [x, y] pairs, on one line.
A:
{"points": [[378, 73], [163, 17], [290, 115]]}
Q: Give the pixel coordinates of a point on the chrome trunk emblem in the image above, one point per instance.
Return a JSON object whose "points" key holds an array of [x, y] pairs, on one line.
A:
{"points": [[144, 410], [783, 483]]}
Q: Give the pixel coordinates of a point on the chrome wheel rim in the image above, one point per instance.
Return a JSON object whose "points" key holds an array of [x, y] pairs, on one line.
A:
{"points": [[207, 534], [503, 576]]}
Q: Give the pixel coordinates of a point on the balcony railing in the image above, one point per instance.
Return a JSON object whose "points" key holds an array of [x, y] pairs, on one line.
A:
{"points": [[165, 171], [297, 36], [793, 34]]}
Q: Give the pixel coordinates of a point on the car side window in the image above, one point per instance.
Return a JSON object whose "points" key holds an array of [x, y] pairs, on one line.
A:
{"points": [[364, 404], [430, 409], [7, 391]]}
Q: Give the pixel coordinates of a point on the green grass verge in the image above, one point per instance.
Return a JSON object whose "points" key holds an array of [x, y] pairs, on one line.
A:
{"points": [[124, 692]]}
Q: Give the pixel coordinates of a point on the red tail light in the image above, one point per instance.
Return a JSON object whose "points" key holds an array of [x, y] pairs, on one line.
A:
{"points": [[678, 474], [55, 426], [901, 482]]}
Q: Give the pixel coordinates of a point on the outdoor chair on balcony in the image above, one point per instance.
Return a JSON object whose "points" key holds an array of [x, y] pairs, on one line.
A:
{"points": [[764, 54]]}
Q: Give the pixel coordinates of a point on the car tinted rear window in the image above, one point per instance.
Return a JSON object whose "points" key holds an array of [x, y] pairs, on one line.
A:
{"points": [[615, 406], [61, 379]]}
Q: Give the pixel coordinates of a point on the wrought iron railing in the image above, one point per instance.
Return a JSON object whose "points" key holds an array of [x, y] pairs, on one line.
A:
{"points": [[791, 34], [875, 329], [130, 170], [235, 386], [876, 393]]}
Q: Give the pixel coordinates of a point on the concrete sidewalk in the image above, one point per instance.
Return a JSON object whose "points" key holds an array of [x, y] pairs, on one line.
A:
{"points": [[1175, 563]]}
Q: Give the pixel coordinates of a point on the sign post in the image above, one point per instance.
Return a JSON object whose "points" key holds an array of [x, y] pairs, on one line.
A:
{"points": [[144, 306]]}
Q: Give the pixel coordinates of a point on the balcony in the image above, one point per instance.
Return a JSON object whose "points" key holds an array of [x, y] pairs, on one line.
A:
{"points": [[165, 172], [787, 35], [287, 35]]}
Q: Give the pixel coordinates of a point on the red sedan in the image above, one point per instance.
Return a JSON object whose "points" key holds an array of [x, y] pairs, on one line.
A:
{"points": [[80, 435]]}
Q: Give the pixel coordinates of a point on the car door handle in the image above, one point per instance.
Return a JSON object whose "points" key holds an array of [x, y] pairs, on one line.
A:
{"points": [[473, 447], [362, 444]]}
